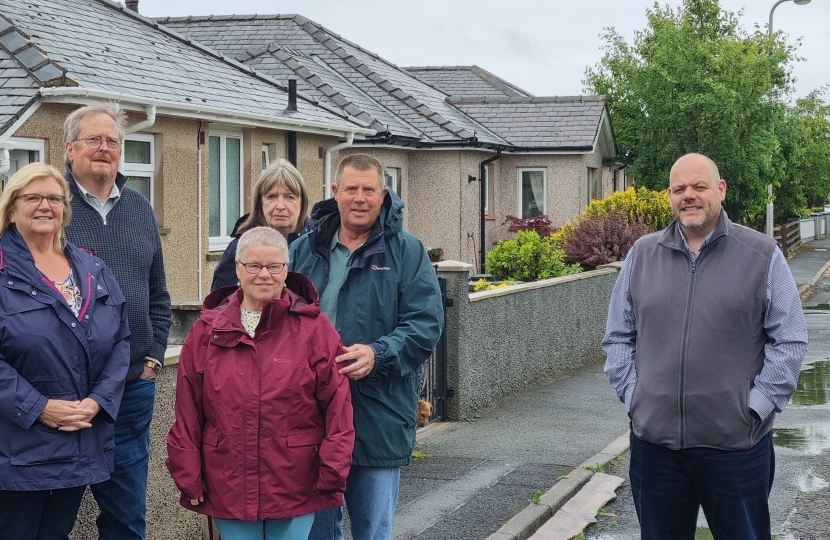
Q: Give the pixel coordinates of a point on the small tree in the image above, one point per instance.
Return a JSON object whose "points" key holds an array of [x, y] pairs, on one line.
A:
{"points": [[541, 224]]}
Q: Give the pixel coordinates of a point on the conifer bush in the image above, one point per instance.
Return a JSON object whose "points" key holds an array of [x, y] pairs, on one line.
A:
{"points": [[605, 231]]}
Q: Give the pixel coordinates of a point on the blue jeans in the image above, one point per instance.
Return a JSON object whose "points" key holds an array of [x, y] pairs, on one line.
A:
{"points": [[732, 487], [371, 495], [272, 529], [123, 498]]}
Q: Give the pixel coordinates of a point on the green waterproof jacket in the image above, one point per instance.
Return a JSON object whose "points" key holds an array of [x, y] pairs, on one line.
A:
{"points": [[391, 302]]}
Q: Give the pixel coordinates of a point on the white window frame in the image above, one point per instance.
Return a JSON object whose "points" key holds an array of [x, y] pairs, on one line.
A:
{"points": [[141, 169], [29, 144], [219, 243], [519, 172], [394, 174], [266, 155]]}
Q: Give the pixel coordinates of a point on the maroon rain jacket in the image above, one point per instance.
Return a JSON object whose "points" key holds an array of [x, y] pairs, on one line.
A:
{"points": [[263, 425]]}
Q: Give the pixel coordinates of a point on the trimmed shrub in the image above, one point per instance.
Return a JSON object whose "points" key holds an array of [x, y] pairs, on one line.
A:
{"points": [[606, 229], [528, 257], [644, 206], [597, 239]]}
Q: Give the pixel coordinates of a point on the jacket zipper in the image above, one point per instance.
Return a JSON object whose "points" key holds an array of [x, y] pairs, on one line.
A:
{"points": [[681, 436]]}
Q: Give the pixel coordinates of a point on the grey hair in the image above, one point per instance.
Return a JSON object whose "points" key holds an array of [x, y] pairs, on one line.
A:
{"points": [[361, 162], [261, 236], [279, 173], [72, 124]]}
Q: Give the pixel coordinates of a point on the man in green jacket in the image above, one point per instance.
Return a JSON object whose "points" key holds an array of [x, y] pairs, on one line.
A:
{"points": [[380, 292]]}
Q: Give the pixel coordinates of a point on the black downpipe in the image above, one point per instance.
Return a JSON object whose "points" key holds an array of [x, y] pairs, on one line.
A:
{"points": [[292, 135], [481, 172], [292, 147]]}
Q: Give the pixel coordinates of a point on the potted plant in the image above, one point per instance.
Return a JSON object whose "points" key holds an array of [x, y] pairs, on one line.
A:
{"points": [[435, 254]]}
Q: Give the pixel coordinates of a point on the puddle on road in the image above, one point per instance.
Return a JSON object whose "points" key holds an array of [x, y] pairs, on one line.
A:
{"points": [[809, 483], [813, 386]]}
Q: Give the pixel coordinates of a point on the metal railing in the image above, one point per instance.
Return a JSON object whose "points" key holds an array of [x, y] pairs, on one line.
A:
{"points": [[436, 389]]}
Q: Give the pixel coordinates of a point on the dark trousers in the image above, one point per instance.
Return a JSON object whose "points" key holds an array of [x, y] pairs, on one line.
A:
{"points": [[39, 515], [732, 487]]}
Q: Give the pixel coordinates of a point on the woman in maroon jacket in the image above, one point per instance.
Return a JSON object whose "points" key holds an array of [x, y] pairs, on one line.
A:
{"points": [[263, 434]]}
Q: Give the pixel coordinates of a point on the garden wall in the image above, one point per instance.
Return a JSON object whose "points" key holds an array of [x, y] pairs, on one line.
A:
{"points": [[499, 341]]}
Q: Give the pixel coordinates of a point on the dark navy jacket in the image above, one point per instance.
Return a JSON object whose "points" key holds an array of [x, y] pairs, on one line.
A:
{"points": [[47, 352]]}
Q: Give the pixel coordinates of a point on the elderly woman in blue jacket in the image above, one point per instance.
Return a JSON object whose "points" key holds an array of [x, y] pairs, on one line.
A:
{"points": [[64, 354]]}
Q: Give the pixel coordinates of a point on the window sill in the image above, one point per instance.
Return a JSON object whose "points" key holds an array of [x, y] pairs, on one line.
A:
{"points": [[164, 230], [214, 255], [489, 218]]}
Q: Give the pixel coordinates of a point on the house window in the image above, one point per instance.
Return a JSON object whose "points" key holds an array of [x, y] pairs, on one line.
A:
{"points": [[393, 180], [594, 184], [532, 191], [225, 186], [138, 163], [25, 151], [487, 185], [265, 159]]}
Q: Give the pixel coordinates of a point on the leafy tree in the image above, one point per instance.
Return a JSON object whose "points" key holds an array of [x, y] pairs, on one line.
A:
{"points": [[805, 145], [695, 81]]}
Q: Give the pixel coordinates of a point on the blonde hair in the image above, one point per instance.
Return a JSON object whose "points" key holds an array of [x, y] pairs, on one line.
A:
{"points": [[21, 181], [283, 174]]}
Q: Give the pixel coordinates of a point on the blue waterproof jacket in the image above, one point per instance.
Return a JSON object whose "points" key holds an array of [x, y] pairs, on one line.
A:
{"points": [[391, 302], [48, 352]]}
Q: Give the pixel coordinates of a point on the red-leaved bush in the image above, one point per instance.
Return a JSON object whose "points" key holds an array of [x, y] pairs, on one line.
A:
{"points": [[541, 224], [598, 240]]}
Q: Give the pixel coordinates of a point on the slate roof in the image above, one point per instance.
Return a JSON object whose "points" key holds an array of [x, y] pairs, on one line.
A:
{"points": [[18, 88], [357, 80], [544, 122], [105, 47], [466, 81]]}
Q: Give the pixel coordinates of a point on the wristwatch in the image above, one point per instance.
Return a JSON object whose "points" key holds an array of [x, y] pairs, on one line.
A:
{"points": [[152, 365]]}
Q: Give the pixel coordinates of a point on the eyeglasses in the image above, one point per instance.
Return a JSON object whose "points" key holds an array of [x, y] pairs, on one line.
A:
{"points": [[254, 268], [95, 142], [35, 200]]}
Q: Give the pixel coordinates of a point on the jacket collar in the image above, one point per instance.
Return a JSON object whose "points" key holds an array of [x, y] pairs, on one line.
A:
{"points": [[672, 236], [299, 297]]}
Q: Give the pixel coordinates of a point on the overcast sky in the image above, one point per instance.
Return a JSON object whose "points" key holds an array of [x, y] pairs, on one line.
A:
{"points": [[542, 46]]}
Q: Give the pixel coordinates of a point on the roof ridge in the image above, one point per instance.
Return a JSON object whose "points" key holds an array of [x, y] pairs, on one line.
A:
{"points": [[254, 17], [313, 30], [525, 99], [31, 57], [497, 82], [436, 68], [211, 52], [286, 57]]}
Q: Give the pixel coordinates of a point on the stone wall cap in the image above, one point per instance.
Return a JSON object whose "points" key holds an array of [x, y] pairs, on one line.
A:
{"points": [[454, 266]]}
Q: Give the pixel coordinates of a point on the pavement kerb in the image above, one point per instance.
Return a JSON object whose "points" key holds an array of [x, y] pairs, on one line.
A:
{"points": [[806, 290], [525, 523]]}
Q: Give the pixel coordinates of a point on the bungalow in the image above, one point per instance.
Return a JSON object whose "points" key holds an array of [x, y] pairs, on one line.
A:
{"points": [[437, 127], [202, 125]]}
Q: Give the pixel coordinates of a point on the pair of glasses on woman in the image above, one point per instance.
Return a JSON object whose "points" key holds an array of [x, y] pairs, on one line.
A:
{"points": [[35, 200], [254, 268]]}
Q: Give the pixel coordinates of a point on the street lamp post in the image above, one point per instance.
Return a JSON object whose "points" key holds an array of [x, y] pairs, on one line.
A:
{"points": [[769, 221]]}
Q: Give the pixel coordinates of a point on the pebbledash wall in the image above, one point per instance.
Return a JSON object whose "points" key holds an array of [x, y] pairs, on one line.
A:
{"points": [[499, 341]]}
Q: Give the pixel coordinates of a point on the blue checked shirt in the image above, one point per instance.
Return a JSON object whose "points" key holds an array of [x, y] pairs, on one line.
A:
{"points": [[784, 325]]}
